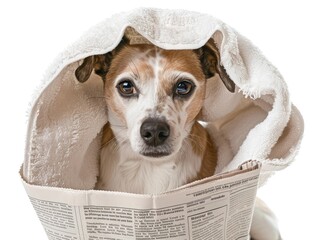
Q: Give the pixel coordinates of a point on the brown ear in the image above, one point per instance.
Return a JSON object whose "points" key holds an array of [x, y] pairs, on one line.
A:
{"points": [[100, 64], [210, 60], [83, 72]]}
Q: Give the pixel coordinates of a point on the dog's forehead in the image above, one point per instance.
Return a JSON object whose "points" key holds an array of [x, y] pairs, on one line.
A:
{"points": [[143, 58]]}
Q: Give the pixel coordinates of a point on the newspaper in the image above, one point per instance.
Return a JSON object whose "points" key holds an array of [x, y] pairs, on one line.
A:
{"points": [[219, 207]]}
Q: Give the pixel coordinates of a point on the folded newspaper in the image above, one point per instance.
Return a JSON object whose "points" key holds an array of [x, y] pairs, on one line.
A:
{"points": [[219, 207]]}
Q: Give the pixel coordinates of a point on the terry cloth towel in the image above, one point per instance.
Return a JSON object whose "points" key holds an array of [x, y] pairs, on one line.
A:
{"points": [[256, 122]]}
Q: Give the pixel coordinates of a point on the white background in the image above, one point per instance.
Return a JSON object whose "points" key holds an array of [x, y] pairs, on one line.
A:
{"points": [[34, 32]]}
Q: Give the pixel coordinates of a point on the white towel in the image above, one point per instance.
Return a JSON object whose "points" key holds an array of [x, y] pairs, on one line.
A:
{"points": [[257, 122]]}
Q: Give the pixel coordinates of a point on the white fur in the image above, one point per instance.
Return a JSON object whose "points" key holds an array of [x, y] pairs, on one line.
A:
{"points": [[126, 171]]}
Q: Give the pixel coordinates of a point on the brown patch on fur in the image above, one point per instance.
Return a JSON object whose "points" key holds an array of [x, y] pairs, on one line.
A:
{"points": [[204, 147], [130, 58], [160, 108], [107, 136], [196, 105], [184, 61]]}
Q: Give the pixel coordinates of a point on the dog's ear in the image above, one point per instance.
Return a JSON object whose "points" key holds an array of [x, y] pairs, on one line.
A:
{"points": [[210, 59], [83, 72], [100, 64]]}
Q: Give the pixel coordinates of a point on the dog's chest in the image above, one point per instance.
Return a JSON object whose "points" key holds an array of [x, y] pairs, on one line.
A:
{"points": [[123, 171]]}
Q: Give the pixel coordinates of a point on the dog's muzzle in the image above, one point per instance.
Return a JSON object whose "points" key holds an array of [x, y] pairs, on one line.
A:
{"points": [[154, 132]]}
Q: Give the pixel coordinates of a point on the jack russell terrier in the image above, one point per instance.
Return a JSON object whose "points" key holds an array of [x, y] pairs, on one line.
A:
{"points": [[153, 141]]}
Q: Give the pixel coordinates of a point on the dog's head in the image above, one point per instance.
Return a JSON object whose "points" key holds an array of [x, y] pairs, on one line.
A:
{"points": [[154, 95]]}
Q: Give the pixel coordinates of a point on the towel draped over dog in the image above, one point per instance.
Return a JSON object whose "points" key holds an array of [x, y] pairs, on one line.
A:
{"points": [[256, 122]]}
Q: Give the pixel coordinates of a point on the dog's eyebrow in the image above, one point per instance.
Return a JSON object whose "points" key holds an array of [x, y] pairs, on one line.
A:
{"points": [[136, 72], [177, 75]]}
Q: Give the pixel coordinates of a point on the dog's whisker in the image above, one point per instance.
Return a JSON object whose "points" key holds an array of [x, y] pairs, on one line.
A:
{"points": [[96, 97], [206, 97], [105, 144], [189, 145], [118, 126], [183, 149], [197, 138], [191, 135], [119, 144], [115, 139], [193, 139]]}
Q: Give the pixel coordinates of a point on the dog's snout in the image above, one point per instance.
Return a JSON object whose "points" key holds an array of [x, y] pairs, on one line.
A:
{"points": [[154, 132]]}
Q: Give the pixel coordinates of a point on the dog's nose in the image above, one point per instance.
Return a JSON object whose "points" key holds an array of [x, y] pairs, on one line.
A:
{"points": [[154, 132]]}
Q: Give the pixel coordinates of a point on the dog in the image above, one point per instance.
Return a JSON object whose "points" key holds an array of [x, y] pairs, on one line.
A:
{"points": [[153, 141]]}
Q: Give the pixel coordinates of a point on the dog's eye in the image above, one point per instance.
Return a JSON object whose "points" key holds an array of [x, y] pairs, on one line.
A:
{"points": [[126, 88], [184, 88]]}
